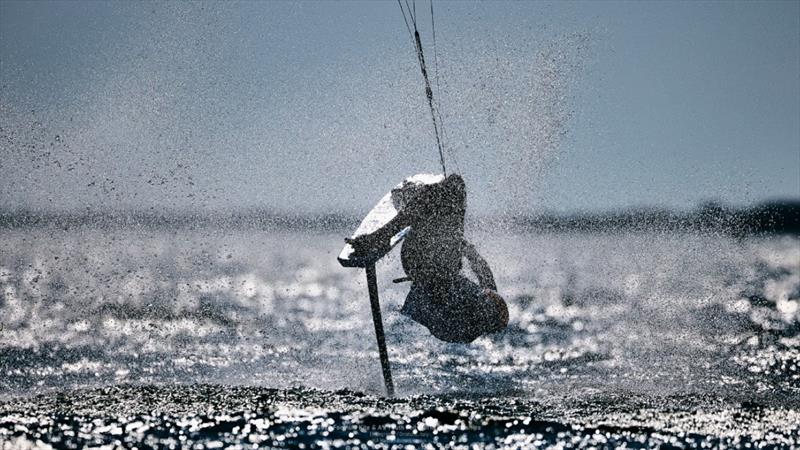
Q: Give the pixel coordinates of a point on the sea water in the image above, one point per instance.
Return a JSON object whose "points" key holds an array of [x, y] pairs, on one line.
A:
{"points": [[593, 316]]}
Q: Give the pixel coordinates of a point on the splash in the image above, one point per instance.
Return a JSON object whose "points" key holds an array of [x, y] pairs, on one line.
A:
{"points": [[509, 106], [189, 106]]}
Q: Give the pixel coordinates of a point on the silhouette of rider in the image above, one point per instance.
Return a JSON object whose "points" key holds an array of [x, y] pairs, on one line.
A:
{"points": [[441, 298]]}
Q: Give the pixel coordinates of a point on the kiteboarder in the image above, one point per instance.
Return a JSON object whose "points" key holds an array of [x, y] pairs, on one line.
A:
{"points": [[451, 306]]}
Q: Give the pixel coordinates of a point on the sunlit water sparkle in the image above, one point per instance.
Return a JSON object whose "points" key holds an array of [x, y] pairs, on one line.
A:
{"points": [[639, 315]]}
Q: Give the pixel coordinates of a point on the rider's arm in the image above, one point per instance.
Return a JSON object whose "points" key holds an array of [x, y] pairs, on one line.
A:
{"points": [[479, 266]]}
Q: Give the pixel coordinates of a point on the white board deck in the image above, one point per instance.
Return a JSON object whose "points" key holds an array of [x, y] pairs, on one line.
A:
{"points": [[386, 210]]}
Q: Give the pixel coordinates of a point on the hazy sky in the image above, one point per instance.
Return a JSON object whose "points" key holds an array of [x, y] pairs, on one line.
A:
{"points": [[320, 106]]}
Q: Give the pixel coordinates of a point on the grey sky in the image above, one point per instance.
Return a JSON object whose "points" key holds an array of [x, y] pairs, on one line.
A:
{"points": [[315, 106]]}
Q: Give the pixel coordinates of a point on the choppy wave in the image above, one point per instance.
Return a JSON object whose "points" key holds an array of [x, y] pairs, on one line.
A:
{"points": [[217, 416]]}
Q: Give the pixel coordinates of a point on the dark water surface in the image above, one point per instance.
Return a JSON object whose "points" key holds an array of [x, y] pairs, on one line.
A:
{"points": [[234, 338], [217, 416]]}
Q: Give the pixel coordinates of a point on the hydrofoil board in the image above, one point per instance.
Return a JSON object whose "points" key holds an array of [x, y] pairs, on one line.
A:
{"points": [[386, 210]]}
